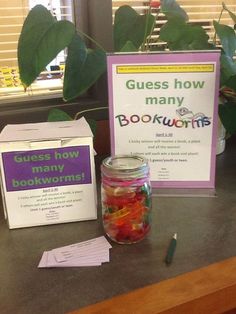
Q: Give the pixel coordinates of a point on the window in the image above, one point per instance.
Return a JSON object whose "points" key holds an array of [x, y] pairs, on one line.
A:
{"points": [[200, 12], [12, 15], [89, 16]]}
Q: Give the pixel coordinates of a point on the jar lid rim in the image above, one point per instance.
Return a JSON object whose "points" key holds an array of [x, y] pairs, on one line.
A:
{"points": [[108, 163]]}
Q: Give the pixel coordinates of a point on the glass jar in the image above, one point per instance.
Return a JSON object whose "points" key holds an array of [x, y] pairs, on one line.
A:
{"points": [[126, 198]]}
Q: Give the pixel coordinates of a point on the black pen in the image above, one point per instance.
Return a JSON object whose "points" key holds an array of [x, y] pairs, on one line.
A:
{"points": [[171, 250]]}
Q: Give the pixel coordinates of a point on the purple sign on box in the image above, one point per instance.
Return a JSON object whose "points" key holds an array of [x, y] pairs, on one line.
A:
{"points": [[27, 170]]}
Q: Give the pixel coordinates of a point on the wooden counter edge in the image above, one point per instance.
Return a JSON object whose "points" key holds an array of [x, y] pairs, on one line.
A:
{"points": [[209, 290]]}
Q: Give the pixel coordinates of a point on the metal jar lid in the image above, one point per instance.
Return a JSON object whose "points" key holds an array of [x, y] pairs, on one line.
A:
{"points": [[125, 166]]}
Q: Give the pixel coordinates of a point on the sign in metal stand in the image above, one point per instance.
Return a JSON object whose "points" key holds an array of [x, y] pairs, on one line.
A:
{"points": [[164, 106]]}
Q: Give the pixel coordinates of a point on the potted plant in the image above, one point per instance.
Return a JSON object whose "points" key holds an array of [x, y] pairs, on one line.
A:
{"points": [[42, 38]]}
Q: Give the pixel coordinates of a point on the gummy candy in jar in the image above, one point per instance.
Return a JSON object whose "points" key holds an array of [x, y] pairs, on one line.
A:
{"points": [[126, 198]]}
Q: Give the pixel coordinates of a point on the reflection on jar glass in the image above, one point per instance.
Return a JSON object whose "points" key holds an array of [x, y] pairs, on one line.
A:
{"points": [[126, 198]]}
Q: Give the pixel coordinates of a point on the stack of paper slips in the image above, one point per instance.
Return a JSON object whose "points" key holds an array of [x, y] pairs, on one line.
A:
{"points": [[93, 252]]}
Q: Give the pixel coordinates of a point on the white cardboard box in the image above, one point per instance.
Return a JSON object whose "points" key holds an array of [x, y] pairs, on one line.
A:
{"points": [[47, 173]]}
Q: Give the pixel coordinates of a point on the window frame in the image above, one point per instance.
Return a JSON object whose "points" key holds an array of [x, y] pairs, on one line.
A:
{"points": [[16, 13], [100, 29], [90, 21]]}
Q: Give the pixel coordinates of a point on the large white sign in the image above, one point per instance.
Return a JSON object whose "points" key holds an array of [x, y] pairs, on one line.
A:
{"points": [[164, 107]]}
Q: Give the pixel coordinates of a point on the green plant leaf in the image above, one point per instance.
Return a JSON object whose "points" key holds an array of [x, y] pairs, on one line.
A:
{"points": [[196, 38], [227, 69], [41, 39], [129, 47], [38, 17], [227, 113], [172, 30], [181, 36], [227, 38], [171, 9], [93, 126], [130, 26], [232, 15], [58, 115], [83, 67], [231, 82]]}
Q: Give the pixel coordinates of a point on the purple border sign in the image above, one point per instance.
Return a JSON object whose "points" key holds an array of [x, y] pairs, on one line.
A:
{"points": [[27, 170], [164, 106]]}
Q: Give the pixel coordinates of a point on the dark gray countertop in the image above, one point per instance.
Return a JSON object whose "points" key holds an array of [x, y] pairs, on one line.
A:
{"points": [[206, 230]]}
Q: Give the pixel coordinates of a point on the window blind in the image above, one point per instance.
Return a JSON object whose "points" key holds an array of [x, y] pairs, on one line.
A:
{"points": [[12, 16], [200, 12]]}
